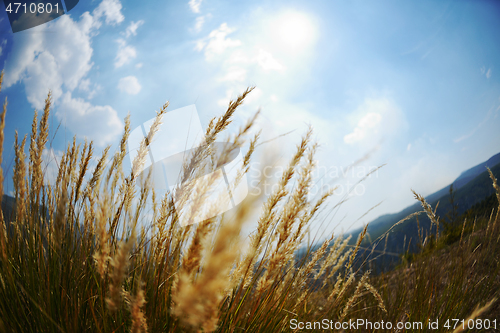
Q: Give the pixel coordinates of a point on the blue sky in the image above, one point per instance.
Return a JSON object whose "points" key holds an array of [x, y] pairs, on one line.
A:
{"points": [[416, 83]]}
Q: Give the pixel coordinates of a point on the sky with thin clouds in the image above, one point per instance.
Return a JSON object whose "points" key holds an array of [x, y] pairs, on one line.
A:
{"points": [[410, 85]]}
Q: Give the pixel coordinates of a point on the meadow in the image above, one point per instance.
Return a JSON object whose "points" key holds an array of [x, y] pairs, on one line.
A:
{"points": [[88, 253]]}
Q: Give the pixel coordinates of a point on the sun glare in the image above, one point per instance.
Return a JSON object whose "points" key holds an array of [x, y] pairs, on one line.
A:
{"points": [[293, 30]]}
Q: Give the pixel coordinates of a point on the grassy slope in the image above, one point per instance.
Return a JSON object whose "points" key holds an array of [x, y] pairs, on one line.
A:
{"points": [[450, 276]]}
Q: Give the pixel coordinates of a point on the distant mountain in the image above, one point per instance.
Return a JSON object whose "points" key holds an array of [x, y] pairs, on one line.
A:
{"points": [[470, 174], [471, 187], [8, 206], [465, 177], [465, 197], [462, 180], [8, 210]]}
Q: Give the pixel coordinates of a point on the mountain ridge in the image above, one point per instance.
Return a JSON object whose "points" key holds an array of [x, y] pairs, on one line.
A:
{"points": [[463, 179]]}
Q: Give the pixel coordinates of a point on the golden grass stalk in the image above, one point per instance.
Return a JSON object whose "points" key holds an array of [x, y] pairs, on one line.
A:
{"points": [[497, 192], [428, 210], [140, 159], [244, 269], [304, 272], [196, 302], [463, 229], [473, 228], [294, 215], [296, 206], [338, 265], [20, 177], [358, 243], [476, 313], [215, 127], [247, 158], [137, 302], [340, 292], [37, 145], [84, 163], [376, 294], [355, 296], [334, 260], [119, 156], [119, 262], [59, 224], [495, 185], [101, 256], [191, 261]]}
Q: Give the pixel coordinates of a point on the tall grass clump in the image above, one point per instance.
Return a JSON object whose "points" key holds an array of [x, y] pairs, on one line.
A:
{"points": [[94, 252]]}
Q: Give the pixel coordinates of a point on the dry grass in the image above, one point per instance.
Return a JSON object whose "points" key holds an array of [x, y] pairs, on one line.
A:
{"points": [[74, 259], [90, 253]]}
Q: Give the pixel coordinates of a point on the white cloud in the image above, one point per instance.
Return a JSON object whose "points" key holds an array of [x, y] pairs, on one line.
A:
{"points": [[379, 118], [98, 123], [111, 10], [267, 62], [217, 42], [85, 86], [125, 53], [43, 62], [254, 96], [132, 28], [225, 101], [237, 63], [129, 85], [200, 20], [195, 5], [366, 123], [487, 73], [199, 45], [2, 45], [57, 62], [235, 74], [93, 92], [239, 57], [139, 65]]}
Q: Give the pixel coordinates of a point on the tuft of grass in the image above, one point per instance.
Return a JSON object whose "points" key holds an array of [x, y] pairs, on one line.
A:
{"points": [[91, 253]]}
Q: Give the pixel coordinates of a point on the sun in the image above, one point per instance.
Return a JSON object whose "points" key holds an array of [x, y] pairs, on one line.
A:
{"points": [[293, 31]]}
